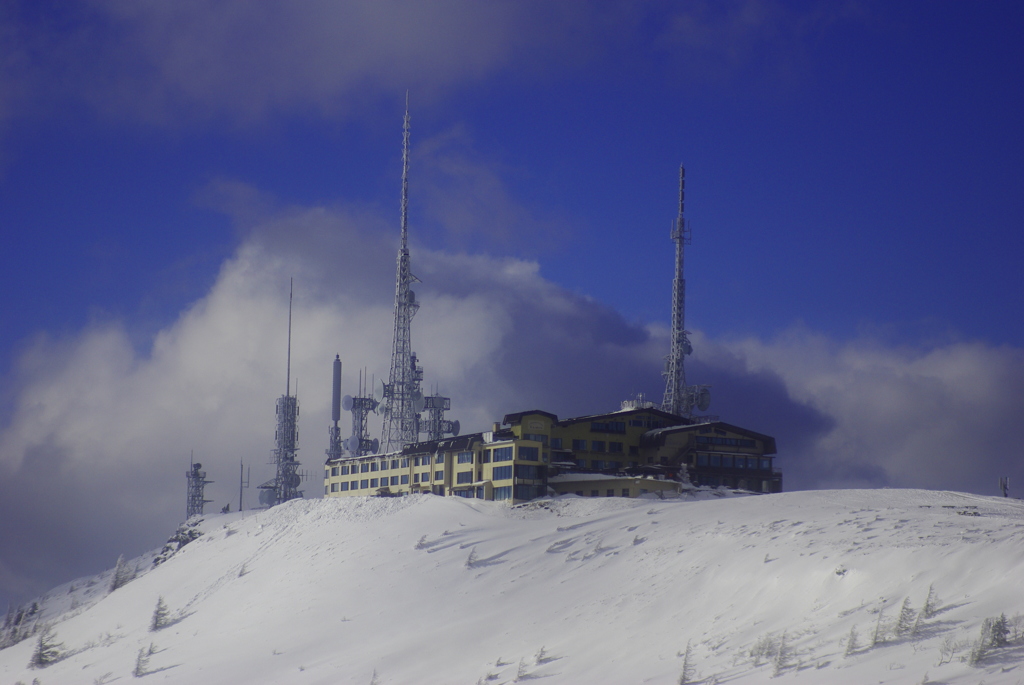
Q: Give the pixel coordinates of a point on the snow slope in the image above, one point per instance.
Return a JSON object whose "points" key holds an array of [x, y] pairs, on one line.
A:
{"points": [[425, 589]]}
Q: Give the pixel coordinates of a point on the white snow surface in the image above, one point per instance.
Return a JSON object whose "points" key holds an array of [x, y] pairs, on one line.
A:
{"points": [[424, 589]]}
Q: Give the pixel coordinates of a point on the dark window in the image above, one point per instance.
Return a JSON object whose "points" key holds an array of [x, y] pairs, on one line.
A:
{"points": [[615, 447], [504, 492], [593, 493], [727, 462], [355, 485], [501, 473], [528, 471], [464, 477], [597, 445], [580, 493], [582, 463], [610, 493], [528, 491], [334, 487], [503, 454], [608, 427], [344, 487], [373, 466], [766, 464], [716, 460], [625, 492], [394, 464], [463, 493], [633, 450], [536, 437], [405, 479], [439, 459], [528, 454], [415, 478], [344, 470], [363, 484], [334, 470], [405, 462], [373, 482], [364, 467], [702, 459], [556, 443], [597, 464], [487, 457], [438, 475], [394, 480], [579, 445], [465, 458]]}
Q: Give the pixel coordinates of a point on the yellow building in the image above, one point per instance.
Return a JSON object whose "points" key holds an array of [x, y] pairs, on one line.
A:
{"points": [[623, 454]]}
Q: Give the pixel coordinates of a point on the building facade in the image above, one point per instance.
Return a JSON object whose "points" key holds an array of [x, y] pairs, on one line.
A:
{"points": [[623, 454]]}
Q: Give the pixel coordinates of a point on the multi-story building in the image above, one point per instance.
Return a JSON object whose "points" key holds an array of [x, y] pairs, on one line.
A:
{"points": [[624, 454]]}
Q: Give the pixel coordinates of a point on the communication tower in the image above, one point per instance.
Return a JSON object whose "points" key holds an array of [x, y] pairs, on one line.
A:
{"points": [[681, 399], [360, 444], [401, 395], [196, 479], [285, 484], [436, 426]]}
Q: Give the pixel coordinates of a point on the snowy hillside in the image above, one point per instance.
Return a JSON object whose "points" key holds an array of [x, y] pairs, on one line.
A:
{"points": [[425, 589]]}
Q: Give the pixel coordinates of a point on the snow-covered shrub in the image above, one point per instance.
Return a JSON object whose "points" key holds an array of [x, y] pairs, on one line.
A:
{"points": [[186, 533]]}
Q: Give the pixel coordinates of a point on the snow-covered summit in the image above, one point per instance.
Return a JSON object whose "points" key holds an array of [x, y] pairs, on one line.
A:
{"points": [[425, 589]]}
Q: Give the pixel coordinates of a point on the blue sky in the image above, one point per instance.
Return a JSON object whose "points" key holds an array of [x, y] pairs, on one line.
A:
{"points": [[854, 175]]}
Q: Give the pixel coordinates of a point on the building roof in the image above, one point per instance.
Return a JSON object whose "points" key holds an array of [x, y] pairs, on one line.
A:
{"points": [[517, 417], [657, 435]]}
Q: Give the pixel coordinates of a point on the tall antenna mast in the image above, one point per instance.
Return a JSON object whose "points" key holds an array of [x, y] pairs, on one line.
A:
{"points": [[680, 399], [401, 395], [288, 373], [284, 485]]}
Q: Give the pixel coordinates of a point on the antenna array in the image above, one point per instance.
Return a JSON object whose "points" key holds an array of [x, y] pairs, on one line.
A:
{"points": [[196, 479]]}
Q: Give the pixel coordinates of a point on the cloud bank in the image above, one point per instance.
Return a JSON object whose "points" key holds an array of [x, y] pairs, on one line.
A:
{"points": [[92, 458]]}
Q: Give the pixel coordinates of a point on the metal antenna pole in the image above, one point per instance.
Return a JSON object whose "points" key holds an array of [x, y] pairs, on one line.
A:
{"points": [[288, 374]]}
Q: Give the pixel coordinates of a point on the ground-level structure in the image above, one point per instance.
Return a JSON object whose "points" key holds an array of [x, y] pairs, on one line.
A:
{"points": [[623, 454]]}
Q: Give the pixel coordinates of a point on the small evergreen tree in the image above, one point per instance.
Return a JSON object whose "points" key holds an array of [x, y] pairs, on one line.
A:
{"points": [[878, 636], [851, 642], [999, 633], [905, 622], [47, 651], [688, 673], [161, 615], [122, 574], [782, 656], [931, 603], [141, 663]]}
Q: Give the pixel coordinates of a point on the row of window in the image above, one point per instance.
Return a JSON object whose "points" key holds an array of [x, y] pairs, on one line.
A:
{"points": [[608, 427], [731, 442], [367, 483], [733, 462], [597, 446]]}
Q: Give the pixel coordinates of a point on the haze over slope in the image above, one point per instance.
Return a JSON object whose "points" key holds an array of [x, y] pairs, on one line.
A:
{"points": [[426, 589]]}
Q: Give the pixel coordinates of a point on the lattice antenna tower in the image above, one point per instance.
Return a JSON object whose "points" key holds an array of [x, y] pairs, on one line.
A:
{"points": [[285, 484], [196, 479], [360, 444], [435, 425], [681, 399], [401, 395]]}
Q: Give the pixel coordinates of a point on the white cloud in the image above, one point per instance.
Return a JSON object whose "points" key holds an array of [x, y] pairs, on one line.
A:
{"points": [[935, 417]]}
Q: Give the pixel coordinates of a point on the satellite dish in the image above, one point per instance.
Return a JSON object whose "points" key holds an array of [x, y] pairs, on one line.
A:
{"points": [[412, 297], [456, 427], [346, 402], [352, 444], [379, 390], [294, 480], [687, 347], [267, 497], [703, 399], [196, 466], [375, 445]]}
